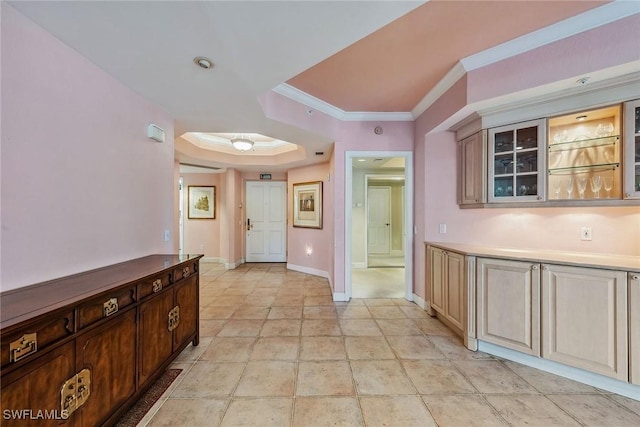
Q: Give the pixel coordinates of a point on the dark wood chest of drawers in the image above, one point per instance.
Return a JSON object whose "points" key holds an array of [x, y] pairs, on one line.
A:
{"points": [[79, 350]]}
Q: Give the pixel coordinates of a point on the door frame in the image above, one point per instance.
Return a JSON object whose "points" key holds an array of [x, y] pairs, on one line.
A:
{"points": [[408, 228], [246, 210]]}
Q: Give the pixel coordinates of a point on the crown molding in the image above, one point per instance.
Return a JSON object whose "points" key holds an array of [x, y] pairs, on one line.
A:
{"points": [[317, 104], [588, 20], [456, 73]]}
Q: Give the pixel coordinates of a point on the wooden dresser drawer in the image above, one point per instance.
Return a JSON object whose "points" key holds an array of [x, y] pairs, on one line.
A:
{"points": [[154, 285], [185, 271], [105, 306], [26, 341]]}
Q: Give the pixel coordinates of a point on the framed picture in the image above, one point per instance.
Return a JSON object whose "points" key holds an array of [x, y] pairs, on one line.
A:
{"points": [[202, 202], [307, 204]]}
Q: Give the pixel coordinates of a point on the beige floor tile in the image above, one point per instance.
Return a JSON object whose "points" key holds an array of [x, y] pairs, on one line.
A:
{"points": [[189, 412], [267, 378], [405, 411], [319, 312], [191, 353], [375, 302], [288, 301], [318, 300], [595, 410], [548, 383], [270, 290], [234, 290], [437, 377], [317, 290], [264, 412], [210, 328], [454, 349], [227, 301], [414, 347], [322, 348], [326, 378], [259, 300], [491, 376], [463, 411], [353, 312], [414, 312], [375, 377], [360, 327], [530, 410], [432, 326], [387, 312], [326, 411], [281, 328], [285, 313], [251, 312], [276, 348], [208, 379], [368, 348], [224, 349], [398, 327], [631, 404], [216, 313], [241, 328], [320, 327]]}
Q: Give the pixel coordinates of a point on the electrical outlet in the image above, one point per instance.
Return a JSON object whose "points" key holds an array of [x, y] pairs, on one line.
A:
{"points": [[585, 233], [166, 235]]}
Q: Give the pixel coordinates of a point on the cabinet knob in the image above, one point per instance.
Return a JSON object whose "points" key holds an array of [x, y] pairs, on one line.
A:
{"points": [[627, 195], [534, 267], [539, 197], [635, 277], [545, 268]]}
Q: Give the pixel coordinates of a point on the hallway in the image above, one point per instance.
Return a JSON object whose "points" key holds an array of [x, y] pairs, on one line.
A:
{"points": [[275, 350]]}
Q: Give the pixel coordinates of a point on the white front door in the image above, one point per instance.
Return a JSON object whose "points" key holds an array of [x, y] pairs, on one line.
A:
{"points": [[378, 220], [266, 221]]}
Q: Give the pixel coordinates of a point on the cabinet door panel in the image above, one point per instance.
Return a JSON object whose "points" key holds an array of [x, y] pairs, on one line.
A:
{"points": [[634, 324], [187, 300], [585, 319], [472, 171], [455, 304], [436, 275], [37, 388], [109, 352], [508, 304], [155, 338]]}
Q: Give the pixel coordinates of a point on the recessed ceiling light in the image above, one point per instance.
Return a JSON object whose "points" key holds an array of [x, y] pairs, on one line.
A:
{"points": [[581, 118], [203, 62]]}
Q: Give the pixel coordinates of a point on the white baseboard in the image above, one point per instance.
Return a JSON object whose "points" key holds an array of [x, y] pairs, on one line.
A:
{"points": [[340, 296], [358, 265], [213, 259], [420, 302], [233, 265], [596, 380], [308, 270]]}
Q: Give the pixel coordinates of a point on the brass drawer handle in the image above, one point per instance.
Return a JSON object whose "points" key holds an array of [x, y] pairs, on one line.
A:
{"points": [[26, 345], [110, 307], [185, 272], [157, 285], [174, 318]]}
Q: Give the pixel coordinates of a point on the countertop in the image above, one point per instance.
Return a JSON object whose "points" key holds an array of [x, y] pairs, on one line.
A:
{"points": [[582, 259]]}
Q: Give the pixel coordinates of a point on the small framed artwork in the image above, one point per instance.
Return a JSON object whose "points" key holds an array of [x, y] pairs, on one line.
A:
{"points": [[307, 204], [202, 202]]}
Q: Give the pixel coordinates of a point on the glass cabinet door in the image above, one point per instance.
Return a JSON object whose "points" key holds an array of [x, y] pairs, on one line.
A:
{"points": [[516, 169], [632, 150]]}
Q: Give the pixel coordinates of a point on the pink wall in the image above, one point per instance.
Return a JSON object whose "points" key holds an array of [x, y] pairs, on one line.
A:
{"points": [[82, 185], [202, 236], [299, 240]]}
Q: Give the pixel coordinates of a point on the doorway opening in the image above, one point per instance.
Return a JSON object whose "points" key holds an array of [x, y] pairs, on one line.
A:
{"points": [[379, 225]]}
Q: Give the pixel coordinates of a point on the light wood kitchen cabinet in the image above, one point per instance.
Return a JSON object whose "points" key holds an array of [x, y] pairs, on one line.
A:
{"points": [[447, 285], [473, 160], [584, 318], [632, 149], [509, 304], [517, 170], [634, 328]]}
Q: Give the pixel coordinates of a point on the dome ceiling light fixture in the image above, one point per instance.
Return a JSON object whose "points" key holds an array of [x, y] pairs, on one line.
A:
{"points": [[242, 142], [203, 62]]}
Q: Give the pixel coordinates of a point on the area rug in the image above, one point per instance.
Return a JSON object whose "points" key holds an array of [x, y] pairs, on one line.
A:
{"points": [[132, 417]]}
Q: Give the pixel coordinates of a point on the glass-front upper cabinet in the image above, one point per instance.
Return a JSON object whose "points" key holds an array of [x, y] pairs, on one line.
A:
{"points": [[584, 155], [517, 162], [632, 149]]}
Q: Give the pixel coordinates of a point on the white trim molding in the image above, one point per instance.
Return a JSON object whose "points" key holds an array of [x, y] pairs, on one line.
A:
{"points": [[420, 302], [234, 265], [340, 297], [308, 270], [585, 377]]}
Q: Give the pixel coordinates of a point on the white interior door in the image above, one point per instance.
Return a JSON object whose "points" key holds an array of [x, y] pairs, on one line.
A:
{"points": [[266, 221], [378, 220]]}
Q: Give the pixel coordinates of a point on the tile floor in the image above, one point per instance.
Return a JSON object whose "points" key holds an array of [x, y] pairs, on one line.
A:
{"points": [[275, 350]]}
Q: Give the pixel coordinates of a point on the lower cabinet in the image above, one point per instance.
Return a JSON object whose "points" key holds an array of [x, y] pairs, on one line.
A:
{"points": [[634, 328], [509, 304], [447, 284], [584, 318]]}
